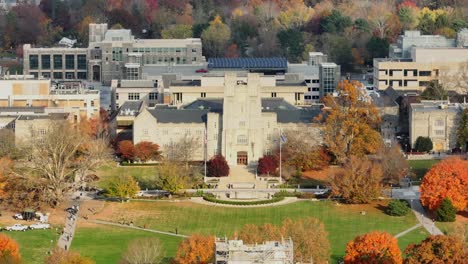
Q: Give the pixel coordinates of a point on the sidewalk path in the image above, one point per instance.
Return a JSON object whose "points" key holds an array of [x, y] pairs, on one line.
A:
{"points": [[137, 228], [408, 230], [425, 221], [66, 238]]}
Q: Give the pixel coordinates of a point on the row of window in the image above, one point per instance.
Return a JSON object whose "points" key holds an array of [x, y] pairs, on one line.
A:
{"points": [[162, 50], [136, 96], [60, 75], [71, 61], [311, 97], [413, 72]]}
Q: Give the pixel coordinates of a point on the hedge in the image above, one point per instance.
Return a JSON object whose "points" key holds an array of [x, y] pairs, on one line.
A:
{"points": [[214, 200]]}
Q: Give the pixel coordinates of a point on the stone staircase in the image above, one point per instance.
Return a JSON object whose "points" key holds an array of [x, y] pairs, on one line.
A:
{"points": [[241, 174]]}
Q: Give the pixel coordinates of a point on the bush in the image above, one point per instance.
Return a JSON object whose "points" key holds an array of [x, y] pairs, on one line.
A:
{"points": [[398, 208], [212, 199], [217, 166], [267, 164], [446, 212], [423, 144]]}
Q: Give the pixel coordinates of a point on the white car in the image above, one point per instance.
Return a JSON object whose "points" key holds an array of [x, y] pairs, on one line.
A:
{"points": [[16, 227], [39, 226], [18, 216]]}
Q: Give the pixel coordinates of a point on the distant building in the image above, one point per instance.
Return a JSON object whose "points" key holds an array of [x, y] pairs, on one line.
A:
{"points": [[388, 109], [111, 54], [437, 120], [240, 123], [270, 252], [70, 97], [133, 91], [416, 59]]}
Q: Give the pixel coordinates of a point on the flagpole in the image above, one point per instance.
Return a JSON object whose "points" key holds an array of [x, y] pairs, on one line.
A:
{"points": [[205, 152], [280, 159]]}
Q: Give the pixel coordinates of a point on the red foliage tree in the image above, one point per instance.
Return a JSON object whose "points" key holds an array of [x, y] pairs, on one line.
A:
{"points": [[374, 247], [447, 179], [232, 51], [436, 249], [126, 150], [268, 164], [9, 250], [217, 166], [146, 150]]}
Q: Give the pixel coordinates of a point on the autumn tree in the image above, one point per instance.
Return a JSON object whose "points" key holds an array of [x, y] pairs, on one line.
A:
{"points": [[350, 122], [126, 150], [267, 165], [145, 151], [217, 166], [446, 179], [121, 186], [216, 38], [62, 154], [144, 250], [9, 250], [359, 181], [7, 144], [393, 163], [434, 91], [61, 256], [373, 247], [171, 177], [177, 32], [462, 130], [436, 249], [308, 235], [183, 150], [196, 249]]}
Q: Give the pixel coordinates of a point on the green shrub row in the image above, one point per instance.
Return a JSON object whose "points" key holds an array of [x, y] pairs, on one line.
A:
{"points": [[398, 208], [212, 199]]}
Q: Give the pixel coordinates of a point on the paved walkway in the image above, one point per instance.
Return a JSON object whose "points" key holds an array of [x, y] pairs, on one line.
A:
{"points": [[137, 228], [408, 230], [68, 231], [425, 221], [286, 200]]}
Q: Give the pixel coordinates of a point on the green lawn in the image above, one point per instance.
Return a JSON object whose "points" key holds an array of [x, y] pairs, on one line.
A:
{"points": [[34, 244], [342, 222], [413, 237], [106, 244], [140, 173], [420, 167]]}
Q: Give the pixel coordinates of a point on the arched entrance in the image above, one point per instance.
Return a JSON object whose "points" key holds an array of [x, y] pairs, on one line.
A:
{"points": [[242, 158]]}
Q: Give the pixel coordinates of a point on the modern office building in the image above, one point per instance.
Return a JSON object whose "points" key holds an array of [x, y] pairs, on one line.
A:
{"points": [[416, 59], [437, 120], [240, 124], [111, 54]]}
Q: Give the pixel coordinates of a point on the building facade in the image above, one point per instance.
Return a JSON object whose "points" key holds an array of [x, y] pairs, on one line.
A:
{"points": [[416, 59], [67, 98], [437, 120], [111, 54], [240, 124]]}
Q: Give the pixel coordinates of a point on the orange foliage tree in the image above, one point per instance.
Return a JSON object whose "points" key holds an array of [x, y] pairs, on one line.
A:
{"points": [[447, 179], [373, 247], [146, 150], [437, 249], [60, 256], [197, 249], [126, 150], [350, 122], [9, 250]]}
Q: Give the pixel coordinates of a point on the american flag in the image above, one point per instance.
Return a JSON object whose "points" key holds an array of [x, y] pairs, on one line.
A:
{"points": [[283, 138]]}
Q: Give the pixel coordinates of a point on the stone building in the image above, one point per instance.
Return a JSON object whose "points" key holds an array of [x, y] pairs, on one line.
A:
{"points": [[240, 124], [416, 59], [437, 120], [111, 54]]}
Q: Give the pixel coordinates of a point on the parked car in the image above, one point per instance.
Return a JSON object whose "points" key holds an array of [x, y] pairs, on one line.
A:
{"points": [[16, 227], [39, 226], [201, 70], [18, 216]]}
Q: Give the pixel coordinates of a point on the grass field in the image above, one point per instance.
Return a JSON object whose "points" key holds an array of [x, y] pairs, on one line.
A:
{"points": [[106, 244], [420, 167], [342, 222], [141, 174], [34, 244]]}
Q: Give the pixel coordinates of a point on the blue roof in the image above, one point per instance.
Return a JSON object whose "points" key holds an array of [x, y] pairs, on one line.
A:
{"points": [[248, 63]]}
